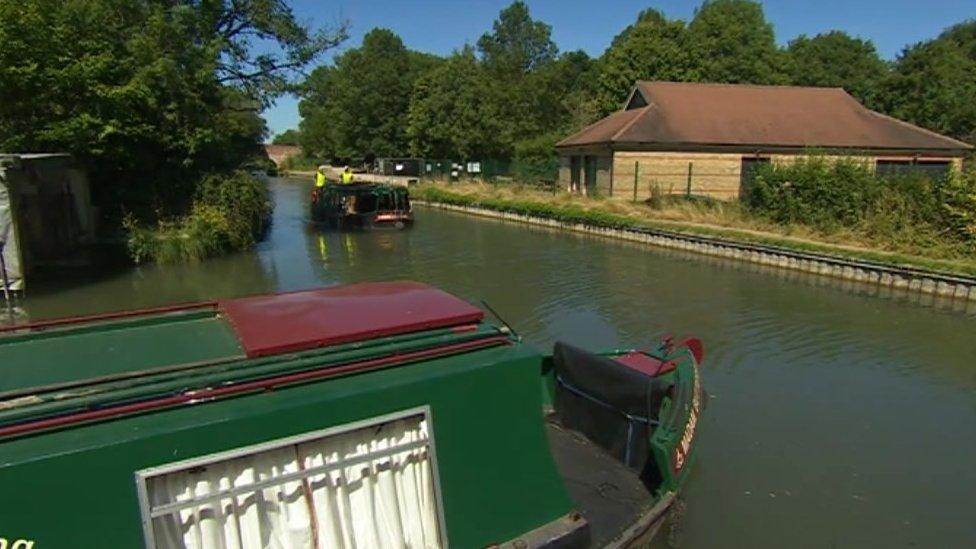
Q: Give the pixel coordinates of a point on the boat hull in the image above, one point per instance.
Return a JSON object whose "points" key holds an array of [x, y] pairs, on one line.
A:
{"points": [[361, 207]]}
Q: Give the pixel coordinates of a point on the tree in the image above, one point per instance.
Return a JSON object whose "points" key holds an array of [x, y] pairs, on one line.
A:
{"points": [[288, 137], [515, 56], [933, 84], [358, 108], [517, 44], [839, 60], [448, 117], [653, 48], [734, 43], [147, 95], [570, 81]]}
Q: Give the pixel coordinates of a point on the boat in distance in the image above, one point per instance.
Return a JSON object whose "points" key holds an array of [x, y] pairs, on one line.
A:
{"points": [[361, 206]]}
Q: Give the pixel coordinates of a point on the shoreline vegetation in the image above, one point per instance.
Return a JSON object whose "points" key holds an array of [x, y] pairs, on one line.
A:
{"points": [[160, 104], [728, 220], [229, 213]]}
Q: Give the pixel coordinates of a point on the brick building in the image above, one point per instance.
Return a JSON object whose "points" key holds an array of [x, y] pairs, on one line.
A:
{"points": [[710, 137]]}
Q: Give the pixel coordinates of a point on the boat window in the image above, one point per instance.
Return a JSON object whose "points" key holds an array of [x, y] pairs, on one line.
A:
{"points": [[371, 485]]}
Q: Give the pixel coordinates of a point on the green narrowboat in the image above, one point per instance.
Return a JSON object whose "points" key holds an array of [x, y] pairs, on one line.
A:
{"points": [[361, 206], [386, 414]]}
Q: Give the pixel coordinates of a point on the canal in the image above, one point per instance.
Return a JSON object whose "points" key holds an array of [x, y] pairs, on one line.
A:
{"points": [[837, 418]]}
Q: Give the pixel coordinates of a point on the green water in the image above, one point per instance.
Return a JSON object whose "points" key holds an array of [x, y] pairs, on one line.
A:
{"points": [[840, 416]]}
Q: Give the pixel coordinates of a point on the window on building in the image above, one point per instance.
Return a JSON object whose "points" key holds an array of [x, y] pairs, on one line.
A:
{"points": [[889, 168], [360, 486], [936, 169]]}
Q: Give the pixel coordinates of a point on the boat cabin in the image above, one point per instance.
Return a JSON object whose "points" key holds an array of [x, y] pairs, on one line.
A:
{"points": [[362, 205]]}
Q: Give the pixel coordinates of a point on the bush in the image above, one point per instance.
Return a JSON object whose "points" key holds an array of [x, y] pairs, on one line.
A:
{"points": [[817, 192], [230, 212], [301, 162], [911, 211], [959, 205], [536, 160]]}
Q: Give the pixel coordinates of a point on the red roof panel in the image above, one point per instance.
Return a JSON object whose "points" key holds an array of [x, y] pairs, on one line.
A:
{"points": [[297, 321]]}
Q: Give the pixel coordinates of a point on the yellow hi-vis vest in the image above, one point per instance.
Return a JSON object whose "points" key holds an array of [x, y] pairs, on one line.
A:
{"points": [[319, 179], [347, 177]]}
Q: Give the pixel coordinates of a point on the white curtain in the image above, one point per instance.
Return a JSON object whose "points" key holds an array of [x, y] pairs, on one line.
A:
{"points": [[377, 502]]}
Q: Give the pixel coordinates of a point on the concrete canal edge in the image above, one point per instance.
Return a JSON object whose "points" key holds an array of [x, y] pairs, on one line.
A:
{"points": [[946, 285]]}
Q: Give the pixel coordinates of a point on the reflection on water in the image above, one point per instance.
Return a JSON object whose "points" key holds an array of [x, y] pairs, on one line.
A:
{"points": [[841, 414]]}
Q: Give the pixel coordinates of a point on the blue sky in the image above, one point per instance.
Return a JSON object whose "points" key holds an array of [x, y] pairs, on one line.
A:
{"points": [[440, 26]]}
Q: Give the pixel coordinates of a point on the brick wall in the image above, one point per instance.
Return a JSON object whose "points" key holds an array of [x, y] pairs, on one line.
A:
{"points": [[712, 174]]}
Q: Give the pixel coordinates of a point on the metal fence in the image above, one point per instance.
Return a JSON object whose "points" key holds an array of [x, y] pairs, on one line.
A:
{"points": [[494, 170]]}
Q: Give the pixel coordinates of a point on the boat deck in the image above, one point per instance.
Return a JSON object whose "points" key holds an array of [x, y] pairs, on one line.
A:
{"points": [[619, 508]]}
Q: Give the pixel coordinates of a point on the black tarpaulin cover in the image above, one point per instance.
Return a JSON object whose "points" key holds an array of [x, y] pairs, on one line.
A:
{"points": [[614, 406]]}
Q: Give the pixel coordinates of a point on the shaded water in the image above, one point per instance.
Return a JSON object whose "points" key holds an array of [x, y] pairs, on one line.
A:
{"points": [[838, 418]]}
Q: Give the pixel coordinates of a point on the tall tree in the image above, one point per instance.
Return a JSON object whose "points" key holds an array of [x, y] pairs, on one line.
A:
{"points": [[147, 95], [448, 117], [839, 60], [290, 136], [517, 44], [358, 108], [514, 55], [653, 48], [734, 43], [934, 83]]}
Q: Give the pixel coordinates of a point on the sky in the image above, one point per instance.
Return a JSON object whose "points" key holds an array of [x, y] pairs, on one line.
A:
{"points": [[441, 26]]}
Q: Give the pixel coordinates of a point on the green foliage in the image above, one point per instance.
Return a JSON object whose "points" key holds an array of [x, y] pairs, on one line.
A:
{"points": [[470, 108], [818, 192], [934, 84], [959, 205], [908, 211], [653, 48], [358, 108], [517, 44], [229, 213], [536, 160], [518, 58], [301, 162], [288, 137], [516, 87], [734, 43], [836, 59], [447, 116], [147, 95]]}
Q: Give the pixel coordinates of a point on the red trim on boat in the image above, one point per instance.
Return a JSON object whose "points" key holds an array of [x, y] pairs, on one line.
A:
{"points": [[647, 365], [58, 322], [267, 384], [285, 323]]}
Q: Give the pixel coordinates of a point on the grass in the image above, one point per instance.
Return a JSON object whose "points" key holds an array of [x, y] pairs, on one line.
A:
{"points": [[229, 213], [705, 217]]}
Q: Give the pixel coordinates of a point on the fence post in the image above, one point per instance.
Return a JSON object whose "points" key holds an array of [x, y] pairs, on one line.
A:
{"points": [[688, 190], [636, 167]]}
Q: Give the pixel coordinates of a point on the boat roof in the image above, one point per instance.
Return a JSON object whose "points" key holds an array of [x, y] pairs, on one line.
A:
{"points": [[68, 352]]}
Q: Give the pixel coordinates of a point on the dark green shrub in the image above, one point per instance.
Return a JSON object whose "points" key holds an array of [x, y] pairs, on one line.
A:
{"points": [[816, 191], [536, 161], [230, 212], [959, 205]]}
